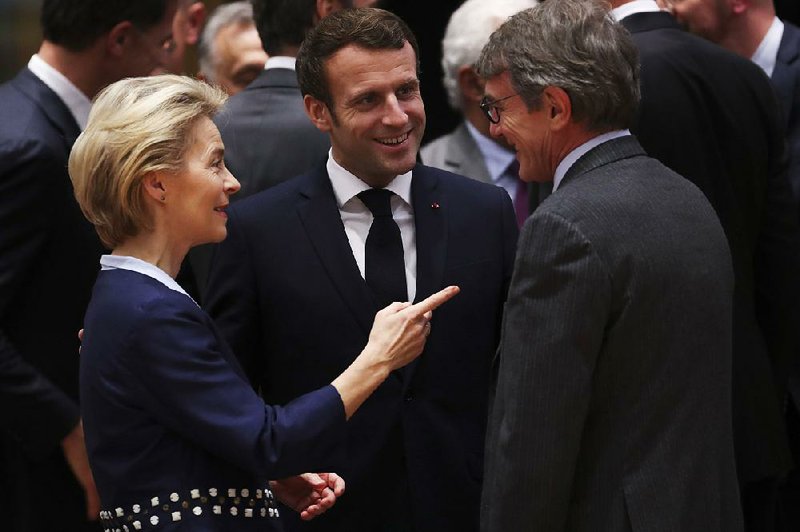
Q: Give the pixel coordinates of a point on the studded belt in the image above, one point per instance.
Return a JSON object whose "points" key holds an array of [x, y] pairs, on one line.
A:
{"points": [[244, 503]]}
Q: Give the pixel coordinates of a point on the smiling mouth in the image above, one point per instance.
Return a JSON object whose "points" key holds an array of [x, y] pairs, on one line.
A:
{"points": [[394, 141], [221, 209]]}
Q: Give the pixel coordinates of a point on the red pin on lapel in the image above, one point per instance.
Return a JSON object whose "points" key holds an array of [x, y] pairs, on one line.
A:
{"points": [[434, 205]]}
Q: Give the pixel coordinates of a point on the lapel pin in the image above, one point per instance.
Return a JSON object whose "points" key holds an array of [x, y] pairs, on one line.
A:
{"points": [[434, 205]]}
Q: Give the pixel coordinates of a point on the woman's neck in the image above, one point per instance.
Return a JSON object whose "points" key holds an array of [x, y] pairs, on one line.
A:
{"points": [[156, 250]]}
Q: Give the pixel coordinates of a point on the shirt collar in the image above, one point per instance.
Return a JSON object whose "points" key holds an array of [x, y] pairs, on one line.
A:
{"points": [[496, 157], [77, 102], [123, 262], [573, 156], [637, 6], [766, 54], [346, 185], [281, 61]]}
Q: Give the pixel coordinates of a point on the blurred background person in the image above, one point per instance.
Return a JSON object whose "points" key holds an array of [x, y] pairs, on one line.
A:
{"points": [[268, 137], [186, 27], [49, 253], [469, 150], [169, 414], [230, 53]]}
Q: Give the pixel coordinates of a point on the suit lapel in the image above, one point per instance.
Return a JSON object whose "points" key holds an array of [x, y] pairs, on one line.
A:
{"points": [[430, 211], [782, 78], [54, 109], [320, 217]]}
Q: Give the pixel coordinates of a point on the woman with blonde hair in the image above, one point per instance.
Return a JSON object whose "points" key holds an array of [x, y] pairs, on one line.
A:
{"points": [[177, 438]]}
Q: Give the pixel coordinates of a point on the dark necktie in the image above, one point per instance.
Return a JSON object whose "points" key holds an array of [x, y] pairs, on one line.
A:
{"points": [[385, 269], [520, 194]]}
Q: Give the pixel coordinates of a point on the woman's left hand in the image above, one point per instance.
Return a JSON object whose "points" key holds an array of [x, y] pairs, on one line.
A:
{"points": [[309, 494]]}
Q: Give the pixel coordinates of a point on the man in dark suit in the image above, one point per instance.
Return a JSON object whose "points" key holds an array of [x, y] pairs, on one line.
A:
{"points": [[469, 150], [300, 277], [268, 137], [49, 252], [712, 116], [613, 399]]}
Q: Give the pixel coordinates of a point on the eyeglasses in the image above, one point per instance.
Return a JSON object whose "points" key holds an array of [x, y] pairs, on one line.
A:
{"points": [[489, 108]]}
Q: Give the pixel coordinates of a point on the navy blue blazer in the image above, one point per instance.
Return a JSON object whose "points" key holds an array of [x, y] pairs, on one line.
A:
{"points": [[168, 413], [286, 292], [48, 264]]}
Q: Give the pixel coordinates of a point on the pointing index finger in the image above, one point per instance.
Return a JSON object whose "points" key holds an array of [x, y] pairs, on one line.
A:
{"points": [[433, 301]]}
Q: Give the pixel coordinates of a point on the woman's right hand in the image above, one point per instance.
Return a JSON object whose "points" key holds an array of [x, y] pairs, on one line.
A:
{"points": [[400, 330], [398, 336]]}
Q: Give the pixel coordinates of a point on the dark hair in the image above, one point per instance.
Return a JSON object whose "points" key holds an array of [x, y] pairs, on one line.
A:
{"points": [[574, 45], [374, 29], [282, 23], [76, 24]]}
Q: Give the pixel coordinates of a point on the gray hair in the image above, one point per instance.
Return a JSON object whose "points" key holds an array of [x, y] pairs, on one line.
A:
{"points": [[235, 13], [575, 45], [467, 32]]}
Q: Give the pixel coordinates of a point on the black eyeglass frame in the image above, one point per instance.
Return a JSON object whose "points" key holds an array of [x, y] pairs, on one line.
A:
{"points": [[490, 110]]}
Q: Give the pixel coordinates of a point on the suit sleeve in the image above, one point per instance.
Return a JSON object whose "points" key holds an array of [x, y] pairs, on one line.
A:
{"points": [[552, 333], [188, 385], [231, 299], [32, 409]]}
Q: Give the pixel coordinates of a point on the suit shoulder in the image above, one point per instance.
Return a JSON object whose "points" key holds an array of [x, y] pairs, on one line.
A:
{"points": [[434, 152], [456, 184]]}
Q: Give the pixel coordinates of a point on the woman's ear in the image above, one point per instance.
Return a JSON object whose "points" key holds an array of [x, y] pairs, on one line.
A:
{"points": [[154, 187]]}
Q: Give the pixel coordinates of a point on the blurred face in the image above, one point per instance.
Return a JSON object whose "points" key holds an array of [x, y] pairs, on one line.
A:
{"points": [[526, 132], [150, 49], [707, 18], [240, 57], [199, 194], [378, 117], [187, 23]]}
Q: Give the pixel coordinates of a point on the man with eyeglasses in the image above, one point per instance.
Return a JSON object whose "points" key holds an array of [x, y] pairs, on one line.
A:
{"points": [[49, 252], [612, 405], [469, 150]]}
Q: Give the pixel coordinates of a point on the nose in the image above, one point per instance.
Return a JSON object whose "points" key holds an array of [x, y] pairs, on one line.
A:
{"points": [[395, 115], [232, 184], [494, 129]]}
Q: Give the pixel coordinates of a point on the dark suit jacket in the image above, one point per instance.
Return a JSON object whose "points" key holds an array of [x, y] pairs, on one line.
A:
{"points": [[287, 294], [711, 116], [167, 409], [268, 136], [612, 407], [48, 262]]}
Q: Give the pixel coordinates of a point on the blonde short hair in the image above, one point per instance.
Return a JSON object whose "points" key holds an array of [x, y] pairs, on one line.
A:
{"points": [[137, 126]]}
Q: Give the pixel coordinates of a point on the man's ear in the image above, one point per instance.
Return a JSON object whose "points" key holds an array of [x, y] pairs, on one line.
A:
{"points": [[154, 186], [325, 8], [118, 38], [195, 17], [558, 107], [471, 84], [318, 112]]}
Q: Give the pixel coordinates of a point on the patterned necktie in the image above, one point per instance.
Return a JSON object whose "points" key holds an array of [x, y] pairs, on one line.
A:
{"points": [[385, 269], [520, 195]]}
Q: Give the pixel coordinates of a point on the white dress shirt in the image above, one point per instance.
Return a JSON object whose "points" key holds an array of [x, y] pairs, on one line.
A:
{"points": [[766, 54], [280, 61], [637, 6], [573, 156], [357, 218], [77, 102]]}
